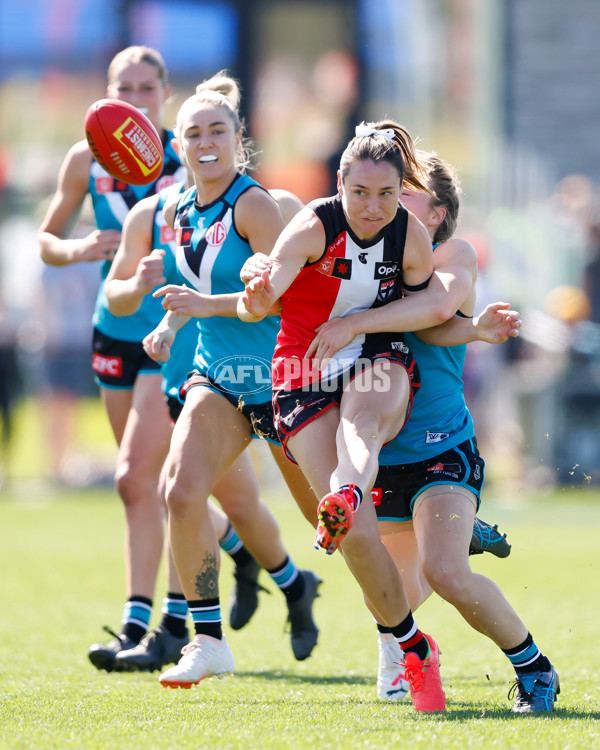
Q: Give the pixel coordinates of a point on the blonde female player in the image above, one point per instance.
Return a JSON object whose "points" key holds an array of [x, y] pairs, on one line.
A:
{"points": [[129, 380], [219, 223], [144, 261]]}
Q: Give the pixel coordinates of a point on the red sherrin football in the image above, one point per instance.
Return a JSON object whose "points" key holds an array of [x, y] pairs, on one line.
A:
{"points": [[124, 141]]}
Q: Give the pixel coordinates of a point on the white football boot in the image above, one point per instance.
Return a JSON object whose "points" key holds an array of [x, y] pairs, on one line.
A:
{"points": [[391, 685], [203, 657]]}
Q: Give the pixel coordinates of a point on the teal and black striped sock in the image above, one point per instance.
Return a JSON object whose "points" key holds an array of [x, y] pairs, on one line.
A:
{"points": [[174, 611], [136, 617], [206, 615], [234, 547], [288, 579], [527, 658]]}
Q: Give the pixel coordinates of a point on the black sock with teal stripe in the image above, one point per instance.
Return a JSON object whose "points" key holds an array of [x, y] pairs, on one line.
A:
{"points": [[174, 611], [206, 615], [233, 545], [527, 658], [136, 617]]}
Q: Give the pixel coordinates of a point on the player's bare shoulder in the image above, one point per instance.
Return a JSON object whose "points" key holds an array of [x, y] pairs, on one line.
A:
{"points": [[458, 250], [255, 210], [416, 231], [418, 256], [77, 162], [142, 213], [289, 203], [256, 202], [303, 237]]}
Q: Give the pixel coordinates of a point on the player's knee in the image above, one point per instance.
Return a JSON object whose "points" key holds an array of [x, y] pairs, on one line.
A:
{"points": [[184, 502], [364, 424], [129, 486], [236, 504], [373, 429], [446, 579], [134, 484]]}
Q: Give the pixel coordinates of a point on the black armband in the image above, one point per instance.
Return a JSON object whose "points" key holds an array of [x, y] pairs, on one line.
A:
{"points": [[417, 287]]}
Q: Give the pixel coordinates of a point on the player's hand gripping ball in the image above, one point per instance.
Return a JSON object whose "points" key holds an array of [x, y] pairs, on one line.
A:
{"points": [[124, 141]]}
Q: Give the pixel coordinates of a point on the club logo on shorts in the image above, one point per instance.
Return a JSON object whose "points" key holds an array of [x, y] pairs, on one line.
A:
{"points": [[241, 374], [289, 419]]}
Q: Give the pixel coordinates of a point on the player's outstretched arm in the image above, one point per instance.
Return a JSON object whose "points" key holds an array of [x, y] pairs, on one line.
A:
{"points": [[494, 325]]}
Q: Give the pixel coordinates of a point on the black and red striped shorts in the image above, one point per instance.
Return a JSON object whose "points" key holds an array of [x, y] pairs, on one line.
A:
{"points": [[294, 409]]}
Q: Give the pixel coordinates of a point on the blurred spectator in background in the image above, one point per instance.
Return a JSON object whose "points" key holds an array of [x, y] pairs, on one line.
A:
{"points": [[65, 303], [487, 389], [8, 387], [591, 272]]}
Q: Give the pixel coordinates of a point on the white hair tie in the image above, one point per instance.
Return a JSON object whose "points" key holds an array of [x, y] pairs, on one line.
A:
{"points": [[363, 130]]}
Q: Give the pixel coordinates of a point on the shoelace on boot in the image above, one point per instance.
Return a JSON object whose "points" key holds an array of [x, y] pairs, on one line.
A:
{"points": [[414, 673], [110, 631]]}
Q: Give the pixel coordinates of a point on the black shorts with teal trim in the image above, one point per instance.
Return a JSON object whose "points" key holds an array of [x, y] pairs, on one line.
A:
{"points": [[116, 364], [397, 487], [260, 416]]}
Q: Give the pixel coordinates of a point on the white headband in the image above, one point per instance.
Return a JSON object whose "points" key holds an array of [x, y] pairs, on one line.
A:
{"points": [[363, 130]]}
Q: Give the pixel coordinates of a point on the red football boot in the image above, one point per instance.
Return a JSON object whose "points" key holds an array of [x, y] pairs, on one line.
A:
{"points": [[335, 515]]}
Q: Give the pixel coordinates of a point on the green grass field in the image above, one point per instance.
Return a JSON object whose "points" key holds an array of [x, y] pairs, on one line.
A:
{"points": [[62, 579]]}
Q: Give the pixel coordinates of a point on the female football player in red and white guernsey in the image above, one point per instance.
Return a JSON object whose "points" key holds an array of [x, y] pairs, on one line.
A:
{"points": [[428, 487], [129, 380], [351, 252]]}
